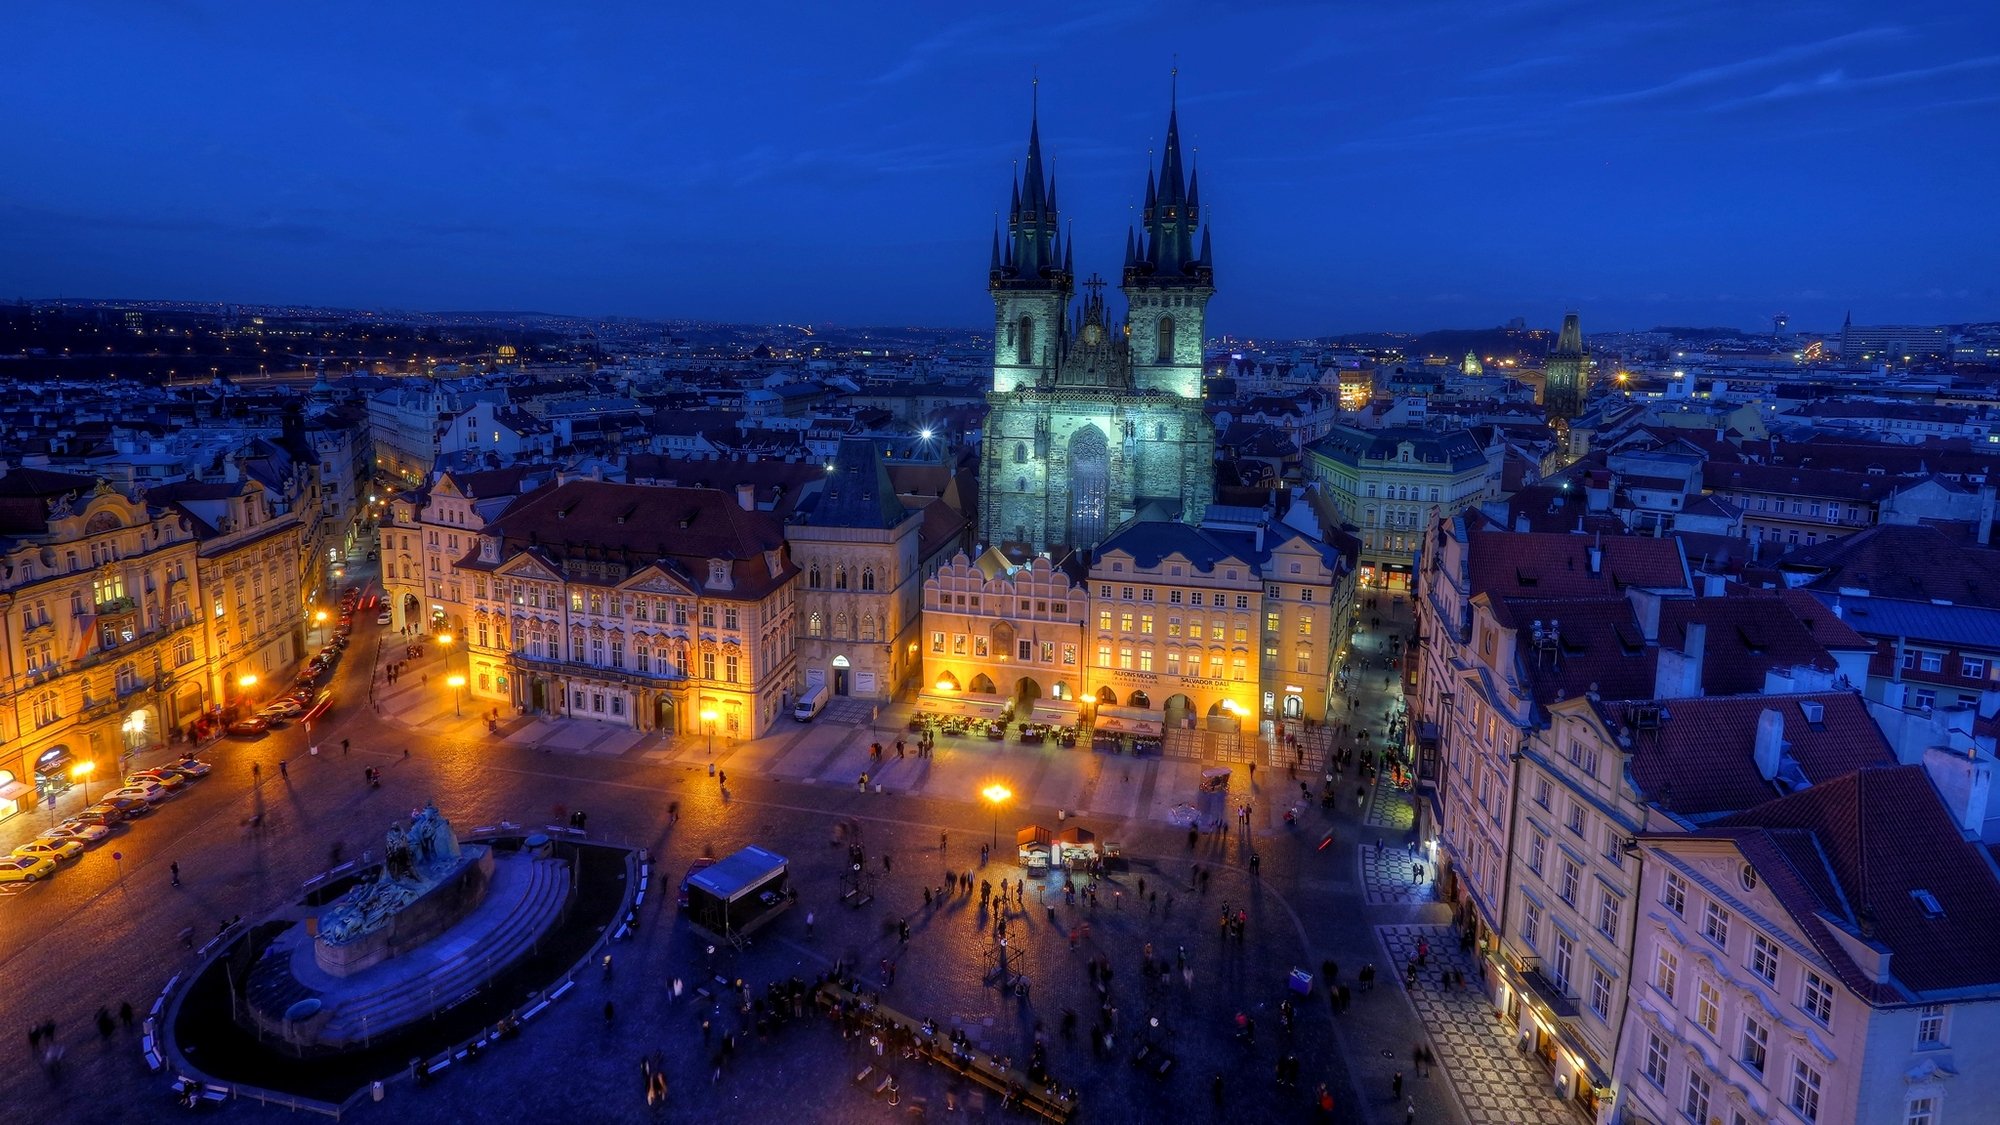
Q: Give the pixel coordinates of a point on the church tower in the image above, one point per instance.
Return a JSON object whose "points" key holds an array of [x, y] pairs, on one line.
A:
{"points": [[1030, 279], [1091, 422], [1567, 373], [1168, 278]]}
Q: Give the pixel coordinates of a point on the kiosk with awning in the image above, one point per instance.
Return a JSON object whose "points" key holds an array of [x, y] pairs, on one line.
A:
{"points": [[1033, 844], [740, 893], [1076, 845]]}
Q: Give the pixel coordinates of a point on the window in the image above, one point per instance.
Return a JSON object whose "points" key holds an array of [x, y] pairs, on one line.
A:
{"points": [[1756, 1044], [1694, 1102], [1145, 660], [868, 578], [1972, 667], [1531, 923], [1715, 924], [1656, 1060], [1666, 972], [708, 617], [1563, 962], [1124, 592], [1538, 847], [1764, 958], [1576, 818], [816, 627], [937, 639], [1920, 1111], [1804, 1098], [729, 617], [1104, 620], [707, 665], [1608, 910], [1817, 1000], [1708, 1006], [1600, 993], [1673, 894], [1931, 662], [729, 667], [1146, 624], [1930, 1026], [1173, 597], [1572, 875], [1024, 650], [1124, 622], [1125, 656]]}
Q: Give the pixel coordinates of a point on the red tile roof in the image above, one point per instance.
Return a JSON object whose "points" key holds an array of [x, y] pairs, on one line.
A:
{"points": [[629, 526], [1881, 834], [1900, 561], [1552, 565], [1749, 633], [1700, 762]]}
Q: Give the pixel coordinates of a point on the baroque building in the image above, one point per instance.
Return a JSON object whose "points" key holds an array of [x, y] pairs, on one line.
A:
{"points": [[858, 548], [658, 608], [1093, 421]]}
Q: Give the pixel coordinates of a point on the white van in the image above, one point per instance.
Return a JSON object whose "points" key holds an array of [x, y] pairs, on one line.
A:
{"points": [[810, 704]]}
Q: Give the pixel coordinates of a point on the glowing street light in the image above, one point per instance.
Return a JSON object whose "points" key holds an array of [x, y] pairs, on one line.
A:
{"points": [[457, 694], [708, 721], [82, 771], [998, 795]]}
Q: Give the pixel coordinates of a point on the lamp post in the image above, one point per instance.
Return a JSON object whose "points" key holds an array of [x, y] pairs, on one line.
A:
{"points": [[244, 683], [998, 795], [708, 722], [81, 772], [457, 693], [319, 625]]}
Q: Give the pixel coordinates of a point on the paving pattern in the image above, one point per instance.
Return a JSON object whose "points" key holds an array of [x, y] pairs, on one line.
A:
{"points": [[1386, 878], [1496, 1084], [1392, 807]]}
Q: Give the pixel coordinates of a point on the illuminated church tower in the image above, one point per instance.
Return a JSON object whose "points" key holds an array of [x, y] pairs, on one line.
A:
{"points": [[1567, 373], [1092, 421]]}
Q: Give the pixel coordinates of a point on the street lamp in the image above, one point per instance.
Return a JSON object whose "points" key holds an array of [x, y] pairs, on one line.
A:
{"points": [[82, 771], [319, 622], [457, 693], [998, 794], [708, 721], [244, 683]]}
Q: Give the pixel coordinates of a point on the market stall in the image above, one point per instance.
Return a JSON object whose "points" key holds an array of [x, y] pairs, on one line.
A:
{"points": [[740, 893], [1034, 846]]}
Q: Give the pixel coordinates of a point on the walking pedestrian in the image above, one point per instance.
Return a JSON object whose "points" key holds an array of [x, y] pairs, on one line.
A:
{"points": [[125, 1014], [885, 863], [809, 923], [174, 871], [610, 1012], [1396, 1085]]}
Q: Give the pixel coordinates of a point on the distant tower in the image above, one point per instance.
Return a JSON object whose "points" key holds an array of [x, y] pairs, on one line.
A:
{"points": [[1847, 336], [1780, 323], [1030, 280], [1567, 373], [1470, 367]]}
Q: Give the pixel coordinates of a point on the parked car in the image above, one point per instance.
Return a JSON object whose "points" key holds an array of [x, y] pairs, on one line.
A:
{"points": [[25, 868], [151, 792], [76, 828], [193, 767], [102, 816], [252, 727], [58, 850], [162, 776], [283, 708], [128, 805]]}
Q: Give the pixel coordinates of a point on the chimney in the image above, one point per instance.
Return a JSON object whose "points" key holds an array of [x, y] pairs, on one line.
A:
{"points": [[1596, 559], [1986, 503], [1646, 607], [1521, 522], [1965, 783], [1714, 585], [1770, 743], [746, 497], [1677, 675]]}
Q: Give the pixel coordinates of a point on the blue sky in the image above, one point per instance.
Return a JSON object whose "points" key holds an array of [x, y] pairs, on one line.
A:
{"points": [[1364, 166]]}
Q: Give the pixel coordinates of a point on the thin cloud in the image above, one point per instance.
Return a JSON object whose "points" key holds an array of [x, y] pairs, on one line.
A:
{"points": [[1837, 82], [1709, 76]]}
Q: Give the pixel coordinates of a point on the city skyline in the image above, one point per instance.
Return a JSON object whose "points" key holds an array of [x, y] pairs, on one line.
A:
{"points": [[1664, 168]]}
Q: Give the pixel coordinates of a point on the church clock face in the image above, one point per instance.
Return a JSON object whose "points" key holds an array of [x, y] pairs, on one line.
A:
{"points": [[1093, 334]]}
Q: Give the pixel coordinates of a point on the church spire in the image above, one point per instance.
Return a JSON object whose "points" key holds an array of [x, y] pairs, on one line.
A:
{"points": [[1034, 244], [1169, 248]]}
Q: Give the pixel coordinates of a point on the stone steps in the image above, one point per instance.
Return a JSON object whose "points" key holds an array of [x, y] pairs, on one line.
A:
{"points": [[548, 884]]}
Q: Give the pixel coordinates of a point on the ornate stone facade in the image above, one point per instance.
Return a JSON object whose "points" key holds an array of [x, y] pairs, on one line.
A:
{"points": [[1092, 421]]}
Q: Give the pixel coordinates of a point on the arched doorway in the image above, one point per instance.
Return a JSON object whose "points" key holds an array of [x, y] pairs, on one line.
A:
{"points": [[1179, 707], [412, 610], [663, 713], [947, 682], [983, 684], [1220, 717], [840, 675], [1060, 691], [1026, 691], [1295, 707], [1106, 695], [1090, 485], [1139, 699]]}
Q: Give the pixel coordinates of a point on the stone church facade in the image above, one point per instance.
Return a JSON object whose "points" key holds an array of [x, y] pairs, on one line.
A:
{"points": [[1093, 421]]}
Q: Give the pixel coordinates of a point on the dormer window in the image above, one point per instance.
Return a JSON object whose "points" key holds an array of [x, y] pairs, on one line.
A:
{"points": [[718, 574]]}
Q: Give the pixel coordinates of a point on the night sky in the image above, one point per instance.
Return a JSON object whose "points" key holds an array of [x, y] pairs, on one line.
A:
{"points": [[1403, 165]]}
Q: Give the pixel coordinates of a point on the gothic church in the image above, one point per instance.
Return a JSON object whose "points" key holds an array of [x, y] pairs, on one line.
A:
{"points": [[1092, 421]]}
